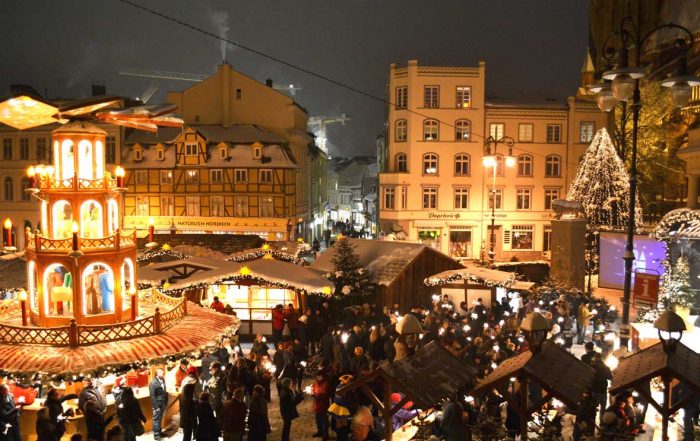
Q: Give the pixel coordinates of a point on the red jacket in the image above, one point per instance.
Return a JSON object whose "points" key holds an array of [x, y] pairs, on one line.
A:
{"points": [[218, 306], [277, 319], [322, 396]]}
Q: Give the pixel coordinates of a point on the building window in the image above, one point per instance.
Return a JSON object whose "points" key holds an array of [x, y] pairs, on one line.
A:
{"points": [[401, 163], [41, 151], [141, 205], [192, 205], [25, 185], [523, 198], [266, 176], [461, 198], [553, 133], [223, 153], [500, 166], [7, 148], [431, 96], [239, 94], [9, 189], [552, 166], [550, 195], [463, 130], [240, 205], [586, 130], [498, 194], [216, 176], [389, 198], [192, 177], [404, 198], [497, 130], [401, 97], [166, 177], [460, 242], [110, 149], [525, 131], [547, 238], [241, 175], [524, 165], [138, 154], [462, 164], [141, 177], [430, 164], [257, 151], [431, 130], [267, 207], [464, 97], [430, 198], [191, 149], [160, 154], [24, 148], [401, 130], [216, 206], [522, 236], [167, 206]]}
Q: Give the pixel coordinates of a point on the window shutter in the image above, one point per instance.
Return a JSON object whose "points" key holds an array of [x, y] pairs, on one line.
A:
{"points": [[506, 236]]}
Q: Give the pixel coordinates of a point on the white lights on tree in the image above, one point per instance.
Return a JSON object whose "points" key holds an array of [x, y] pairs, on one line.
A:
{"points": [[602, 186]]}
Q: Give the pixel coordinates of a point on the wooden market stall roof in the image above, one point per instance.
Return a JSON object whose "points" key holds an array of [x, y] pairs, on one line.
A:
{"points": [[197, 271], [560, 373], [479, 274], [683, 363]]}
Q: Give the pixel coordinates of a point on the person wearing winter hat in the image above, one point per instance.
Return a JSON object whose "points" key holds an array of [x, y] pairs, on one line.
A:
{"points": [[339, 411], [404, 414]]}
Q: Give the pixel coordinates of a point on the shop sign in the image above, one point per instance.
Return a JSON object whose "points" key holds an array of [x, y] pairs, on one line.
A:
{"points": [[433, 215], [206, 223], [646, 288]]}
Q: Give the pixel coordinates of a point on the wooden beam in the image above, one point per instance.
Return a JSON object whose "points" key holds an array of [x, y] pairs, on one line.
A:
{"points": [[650, 400], [388, 428], [682, 402], [372, 397]]}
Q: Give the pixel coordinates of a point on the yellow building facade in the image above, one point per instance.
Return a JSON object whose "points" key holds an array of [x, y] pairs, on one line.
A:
{"points": [[433, 185]]}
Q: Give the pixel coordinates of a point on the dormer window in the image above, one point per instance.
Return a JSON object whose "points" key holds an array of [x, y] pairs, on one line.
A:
{"points": [[222, 152], [160, 154], [257, 150], [138, 153]]}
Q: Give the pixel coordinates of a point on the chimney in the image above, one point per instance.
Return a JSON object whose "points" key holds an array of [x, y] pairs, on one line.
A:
{"points": [[99, 89], [268, 82]]}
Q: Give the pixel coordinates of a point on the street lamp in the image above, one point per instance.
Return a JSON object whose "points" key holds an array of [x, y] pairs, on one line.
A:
{"points": [[670, 327], [622, 84], [490, 160], [535, 327]]}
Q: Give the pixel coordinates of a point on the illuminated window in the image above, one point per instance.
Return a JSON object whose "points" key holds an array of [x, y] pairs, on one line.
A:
{"points": [[62, 217], [586, 131], [240, 206], [550, 195], [401, 97], [462, 163], [389, 198], [401, 163], [241, 175], [431, 130], [266, 176], [141, 206], [431, 96], [552, 166], [522, 237], [216, 176], [192, 177], [167, 206], [525, 132], [464, 97], [8, 189], [267, 207], [192, 205], [91, 219], [430, 164], [430, 197], [401, 130], [141, 177], [523, 198], [553, 133], [24, 148], [191, 149], [166, 177], [463, 130], [58, 291], [98, 289], [524, 165], [498, 195], [461, 198], [497, 130], [216, 206]]}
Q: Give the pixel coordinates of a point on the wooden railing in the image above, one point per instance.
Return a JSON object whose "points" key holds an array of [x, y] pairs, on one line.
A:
{"points": [[115, 241], [76, 335], [76, 183]]}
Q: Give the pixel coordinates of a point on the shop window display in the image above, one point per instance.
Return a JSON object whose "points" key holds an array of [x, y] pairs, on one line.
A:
{"points": [[522, 237], [58, 284], [252, 302], [460, 243], [98, 289], [430, 238]]}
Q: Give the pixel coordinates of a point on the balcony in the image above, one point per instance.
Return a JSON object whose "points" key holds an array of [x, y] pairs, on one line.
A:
{"points": [[49, 183], [116, 241]]}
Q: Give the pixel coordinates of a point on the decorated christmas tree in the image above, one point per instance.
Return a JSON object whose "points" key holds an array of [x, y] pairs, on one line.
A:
{"points": [[675, 287], [349, 276], [602, 187]]}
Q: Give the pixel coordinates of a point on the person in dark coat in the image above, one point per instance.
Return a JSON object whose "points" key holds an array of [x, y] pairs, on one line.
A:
{"points": [[188, 414], [91, 393], [159, 401], [129, 414], [45, 428], [95, 421], [599, 387], [452, 423], [54, 402], [9, 414], [216, 385], [288, 407], [258, 422], [327, 344], [585, 416], [207, 427], [232, 416]]}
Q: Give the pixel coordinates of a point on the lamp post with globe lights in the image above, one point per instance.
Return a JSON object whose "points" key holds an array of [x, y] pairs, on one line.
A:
{"points": [[491, 160], [621, 84]]}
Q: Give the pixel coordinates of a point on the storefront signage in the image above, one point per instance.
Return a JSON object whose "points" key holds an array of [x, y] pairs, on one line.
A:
{"points": [[207, 223], [432, 215], [646, 288]]}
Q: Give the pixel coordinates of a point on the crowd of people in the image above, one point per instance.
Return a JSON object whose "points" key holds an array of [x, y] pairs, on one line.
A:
{"points": [[229, 395]]}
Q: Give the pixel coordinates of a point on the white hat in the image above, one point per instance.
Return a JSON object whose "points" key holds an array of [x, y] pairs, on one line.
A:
{"points": [[303, 319]]}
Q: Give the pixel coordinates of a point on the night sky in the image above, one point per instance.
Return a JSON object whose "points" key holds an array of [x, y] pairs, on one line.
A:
{"points": [[62, 47]]}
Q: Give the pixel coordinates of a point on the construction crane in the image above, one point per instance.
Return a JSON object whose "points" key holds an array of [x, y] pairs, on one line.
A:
{"points": [[318, 125], [291, 89]]}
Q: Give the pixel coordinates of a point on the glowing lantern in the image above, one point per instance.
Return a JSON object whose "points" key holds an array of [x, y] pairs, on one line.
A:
{"points": [[244, 271]]}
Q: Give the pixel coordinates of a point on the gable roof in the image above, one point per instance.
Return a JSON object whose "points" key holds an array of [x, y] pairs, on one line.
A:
{"points": [[384, 259]]}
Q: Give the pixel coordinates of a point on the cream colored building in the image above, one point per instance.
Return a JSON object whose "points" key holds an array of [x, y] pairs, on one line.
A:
{"points": [[19, 151], [433, 185]]}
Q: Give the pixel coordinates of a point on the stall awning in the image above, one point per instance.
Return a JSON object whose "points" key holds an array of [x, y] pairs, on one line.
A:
{"points": [[481, 275]]}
